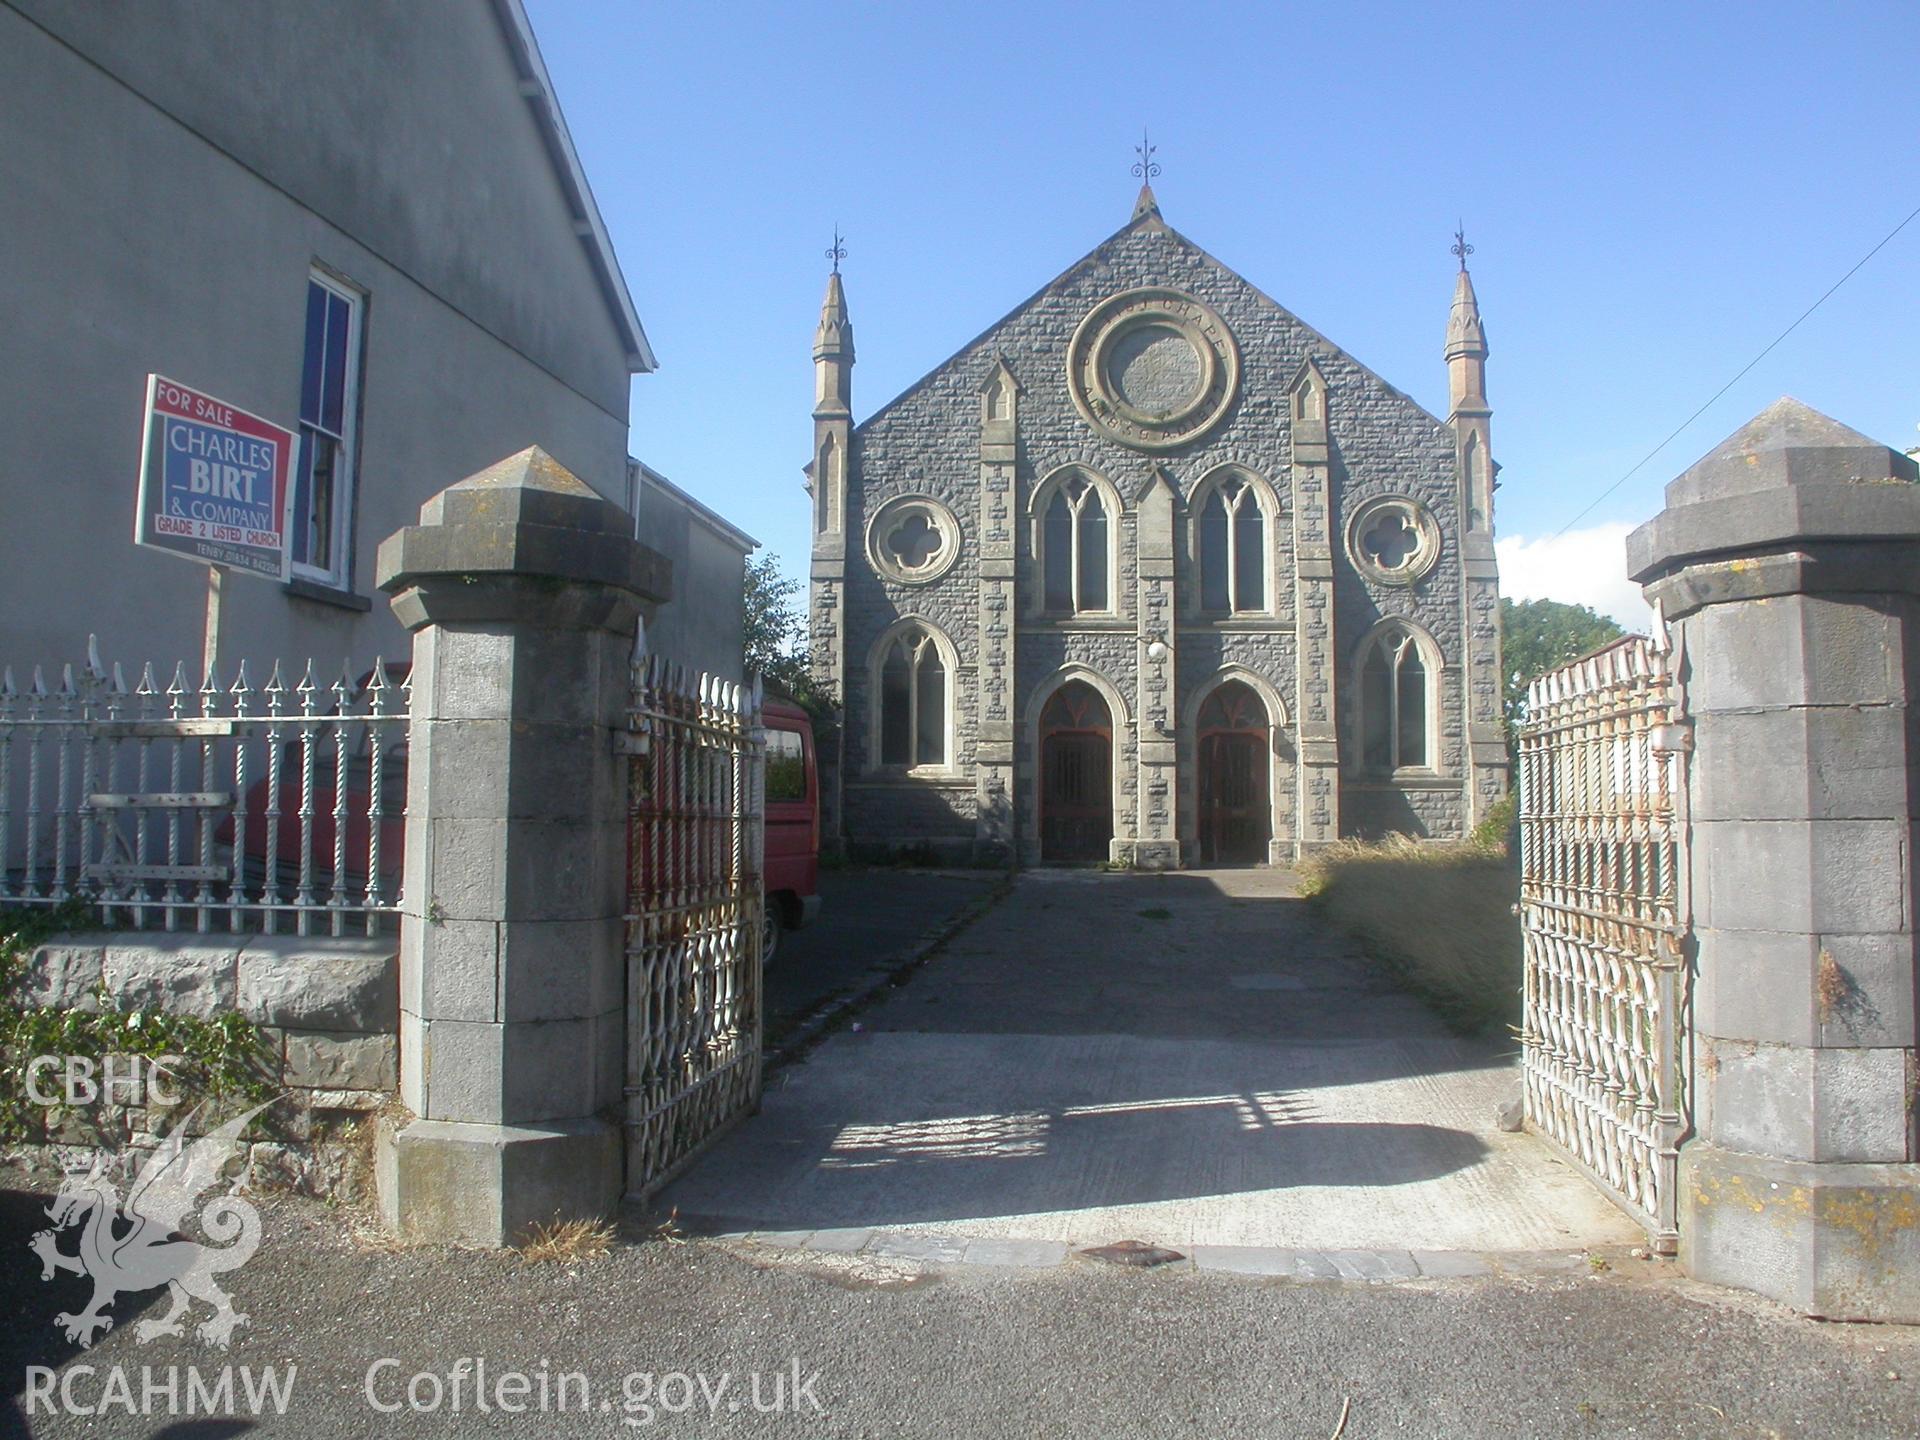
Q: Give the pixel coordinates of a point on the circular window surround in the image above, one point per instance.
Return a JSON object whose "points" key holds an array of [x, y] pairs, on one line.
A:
{"points": [[894, 522], [1159, 317], [1415, 524]]}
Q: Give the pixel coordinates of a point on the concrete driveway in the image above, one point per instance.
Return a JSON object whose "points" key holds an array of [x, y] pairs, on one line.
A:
{"points": [[870, 921], [1186, 1060]]}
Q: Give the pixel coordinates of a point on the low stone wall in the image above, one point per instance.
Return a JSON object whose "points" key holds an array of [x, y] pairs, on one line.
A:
{"points": [[328, 1011], [1372, 812]]}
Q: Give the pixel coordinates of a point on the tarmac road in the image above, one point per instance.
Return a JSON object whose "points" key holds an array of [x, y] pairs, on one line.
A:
{"points": [[904, 1349]]}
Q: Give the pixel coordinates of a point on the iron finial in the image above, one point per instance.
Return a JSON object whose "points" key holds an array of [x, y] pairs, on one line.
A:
{"points": [[838, 250], [1146, 167], [1460, 246]]}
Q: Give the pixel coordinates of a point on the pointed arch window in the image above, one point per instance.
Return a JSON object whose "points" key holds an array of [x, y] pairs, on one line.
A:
{"points": [[1076, 549], [1396, 682], [914, 691], [1233, 549]]}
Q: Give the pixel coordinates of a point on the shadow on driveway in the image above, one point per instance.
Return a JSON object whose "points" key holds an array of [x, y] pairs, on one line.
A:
{"points": [[870, 919], [1185, 1059]]}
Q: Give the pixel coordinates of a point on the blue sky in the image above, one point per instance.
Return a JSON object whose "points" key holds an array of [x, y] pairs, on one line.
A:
{"points": [[1654, 193]]}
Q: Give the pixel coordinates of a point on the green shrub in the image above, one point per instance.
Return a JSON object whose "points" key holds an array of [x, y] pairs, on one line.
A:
{"points": [[1436, 917], [223, 1057], [1498, 828]]}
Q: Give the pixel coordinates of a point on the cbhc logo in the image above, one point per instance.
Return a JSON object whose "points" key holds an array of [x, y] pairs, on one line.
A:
{"points": [[112, 1079]]}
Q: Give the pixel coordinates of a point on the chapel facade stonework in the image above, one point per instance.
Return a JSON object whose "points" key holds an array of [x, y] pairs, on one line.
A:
{"points": [[1151, 573]]}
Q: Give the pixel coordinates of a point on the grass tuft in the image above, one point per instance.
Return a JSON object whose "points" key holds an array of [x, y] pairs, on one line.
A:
{"points": [[1436, 917], [566, 1242]]}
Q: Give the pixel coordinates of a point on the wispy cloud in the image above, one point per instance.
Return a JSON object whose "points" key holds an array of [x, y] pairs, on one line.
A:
{"points": [[1582, 567]]}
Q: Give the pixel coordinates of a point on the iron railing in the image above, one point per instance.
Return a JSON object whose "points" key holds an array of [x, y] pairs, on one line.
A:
{"points": [[1603, 903], [696, 783], [216, 805]]}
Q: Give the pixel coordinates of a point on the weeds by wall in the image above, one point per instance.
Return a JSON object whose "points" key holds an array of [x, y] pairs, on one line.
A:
{"points": [[218, 1057], [231, 1019], [1438, 918]]}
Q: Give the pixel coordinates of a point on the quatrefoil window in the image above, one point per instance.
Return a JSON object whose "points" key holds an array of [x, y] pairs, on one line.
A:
{"points": [[1393, 540], [913, 539], [914, 542]]}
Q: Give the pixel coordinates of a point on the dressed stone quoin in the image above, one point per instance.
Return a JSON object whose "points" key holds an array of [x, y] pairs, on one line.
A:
{"points": [[1152, 573]]}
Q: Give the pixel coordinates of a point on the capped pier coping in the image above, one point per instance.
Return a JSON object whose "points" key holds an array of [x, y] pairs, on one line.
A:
{"points": [[1789, 479], [526, 519]]}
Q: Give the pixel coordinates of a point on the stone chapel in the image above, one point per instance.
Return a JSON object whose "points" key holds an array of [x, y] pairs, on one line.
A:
{"points": [[1152, 573]]}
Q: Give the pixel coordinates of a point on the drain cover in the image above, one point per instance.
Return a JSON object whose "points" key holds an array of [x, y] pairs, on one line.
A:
{"points": [[1136, 1253]]}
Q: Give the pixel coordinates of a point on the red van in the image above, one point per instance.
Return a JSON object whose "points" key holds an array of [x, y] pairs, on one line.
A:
{"points": [[792, 866]]}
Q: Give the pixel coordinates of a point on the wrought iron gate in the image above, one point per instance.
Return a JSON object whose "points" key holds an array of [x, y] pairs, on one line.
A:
{"points": [[696, 785], [1604, 909]]}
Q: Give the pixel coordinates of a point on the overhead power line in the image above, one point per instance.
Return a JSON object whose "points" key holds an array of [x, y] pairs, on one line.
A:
{"points": [[1641, 464]]}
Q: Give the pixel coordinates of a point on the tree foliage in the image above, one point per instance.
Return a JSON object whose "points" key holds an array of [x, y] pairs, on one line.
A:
{"points": [[776, 635], [1541, 634], [774, 624]]}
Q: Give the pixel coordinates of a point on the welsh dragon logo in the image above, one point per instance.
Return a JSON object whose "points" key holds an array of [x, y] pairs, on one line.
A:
{"points": [[135, 1246]]}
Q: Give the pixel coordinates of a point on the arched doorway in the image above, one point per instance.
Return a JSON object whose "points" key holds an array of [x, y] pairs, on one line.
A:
{"points": [[1076, 776], [1234, 750]]}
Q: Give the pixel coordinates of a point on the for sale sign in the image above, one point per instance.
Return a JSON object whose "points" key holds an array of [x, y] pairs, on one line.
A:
{"points": [[215, 482]]}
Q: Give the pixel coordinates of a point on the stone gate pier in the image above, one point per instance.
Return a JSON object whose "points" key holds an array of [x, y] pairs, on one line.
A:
{"points": [[1787, 563], [522, 588]]}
